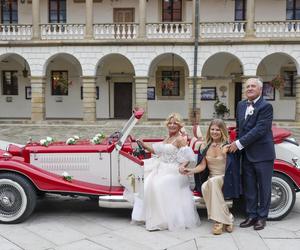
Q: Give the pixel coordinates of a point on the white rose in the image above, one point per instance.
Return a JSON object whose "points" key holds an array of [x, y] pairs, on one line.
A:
{"points": [[49, 139], [43, 142]]}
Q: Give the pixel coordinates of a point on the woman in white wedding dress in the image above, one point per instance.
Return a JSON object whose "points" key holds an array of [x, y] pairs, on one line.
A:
{"points": [[168, 202]]}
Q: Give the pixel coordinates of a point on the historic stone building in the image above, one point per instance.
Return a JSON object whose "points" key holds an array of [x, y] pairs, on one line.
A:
{"points": [[85, 59]]}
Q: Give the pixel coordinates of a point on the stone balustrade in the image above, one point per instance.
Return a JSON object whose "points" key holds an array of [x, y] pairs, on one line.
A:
{"points": [[222, 30], [277, 29], [16, 32], [59, 31], [116, 31], [169, 30], [129, 31]]}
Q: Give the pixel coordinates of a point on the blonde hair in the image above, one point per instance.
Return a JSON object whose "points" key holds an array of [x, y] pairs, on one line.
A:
{"points": [[222, 126], [176, 117]]}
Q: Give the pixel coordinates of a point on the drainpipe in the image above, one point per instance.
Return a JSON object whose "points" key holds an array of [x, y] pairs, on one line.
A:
{"points": [[195, 58]]}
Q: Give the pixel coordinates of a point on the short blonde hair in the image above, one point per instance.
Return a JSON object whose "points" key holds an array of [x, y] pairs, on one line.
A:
{"points": [[222, 126], [176, 117]]}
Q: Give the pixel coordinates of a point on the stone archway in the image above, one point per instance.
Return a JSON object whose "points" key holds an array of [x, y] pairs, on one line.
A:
{"points": [[222, 72], [283, 67], [63, 89], [168, 80], [15, 88], [115, 81]]}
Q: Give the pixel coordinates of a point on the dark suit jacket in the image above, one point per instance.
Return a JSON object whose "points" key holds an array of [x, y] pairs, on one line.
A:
{"points": [[232, 179], [255, 132]]}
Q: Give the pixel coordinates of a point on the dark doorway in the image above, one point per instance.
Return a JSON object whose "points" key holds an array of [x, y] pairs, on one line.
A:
{"points": [[123, 100], [238, 95]]}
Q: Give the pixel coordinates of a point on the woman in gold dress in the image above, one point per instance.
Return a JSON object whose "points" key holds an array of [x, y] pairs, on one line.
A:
{"points": [[214, 159]]}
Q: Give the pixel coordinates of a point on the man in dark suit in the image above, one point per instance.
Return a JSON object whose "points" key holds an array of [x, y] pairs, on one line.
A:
{"points": [[255, 140]]}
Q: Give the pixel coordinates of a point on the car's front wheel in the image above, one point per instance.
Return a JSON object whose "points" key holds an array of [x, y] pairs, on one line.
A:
{"points": [[283, 197], [17, 198]]}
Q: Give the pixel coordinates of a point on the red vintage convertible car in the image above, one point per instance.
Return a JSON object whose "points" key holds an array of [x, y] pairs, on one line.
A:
{"points": [[103, 169]]}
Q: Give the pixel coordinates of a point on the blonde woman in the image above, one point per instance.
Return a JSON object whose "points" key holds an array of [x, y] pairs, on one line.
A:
{"points": [[168, 202], [214, 158]]}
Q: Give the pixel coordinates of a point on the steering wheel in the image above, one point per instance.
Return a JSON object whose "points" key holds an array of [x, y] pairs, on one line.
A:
{"points": [[114, 137]]}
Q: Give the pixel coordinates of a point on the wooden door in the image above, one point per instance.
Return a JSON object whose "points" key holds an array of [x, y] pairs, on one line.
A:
{"points": [[124, 19], [122, 100], [123, 15]]}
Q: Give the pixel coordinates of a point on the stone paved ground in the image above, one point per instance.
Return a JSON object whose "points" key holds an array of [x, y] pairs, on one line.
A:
{"points": [[78, 224], [66, 223]]}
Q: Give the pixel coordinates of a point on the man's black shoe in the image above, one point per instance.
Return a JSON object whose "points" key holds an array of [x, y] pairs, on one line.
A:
{"points": [[259, 224], [248, 222]]}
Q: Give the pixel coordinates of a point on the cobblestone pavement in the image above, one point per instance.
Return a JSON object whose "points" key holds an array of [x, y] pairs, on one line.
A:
{"points": [[71, 223]]}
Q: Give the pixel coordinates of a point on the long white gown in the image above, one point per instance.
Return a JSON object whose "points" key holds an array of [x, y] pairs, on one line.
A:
{"points": [[168, 202]]}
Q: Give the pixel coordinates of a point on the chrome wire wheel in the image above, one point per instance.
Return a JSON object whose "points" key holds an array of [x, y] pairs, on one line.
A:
{"points": [[17, 198], [13, 200], [282, 198]]}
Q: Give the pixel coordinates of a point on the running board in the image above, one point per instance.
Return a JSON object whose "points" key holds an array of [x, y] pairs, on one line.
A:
{"points": [[118, 201]]}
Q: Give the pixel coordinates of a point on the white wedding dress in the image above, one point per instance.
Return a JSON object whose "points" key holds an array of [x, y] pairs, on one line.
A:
{"points": [[167, 202]]}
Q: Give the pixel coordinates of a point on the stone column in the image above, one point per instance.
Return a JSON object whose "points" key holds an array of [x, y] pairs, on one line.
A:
{"points": [[36, 19], [250, 16], [195, 113], [297, 115], [38, 106], [141, 85], [89, 98], [89, 19], [142, 19]]}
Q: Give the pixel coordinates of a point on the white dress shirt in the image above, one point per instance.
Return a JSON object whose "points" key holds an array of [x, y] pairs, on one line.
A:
{"points": [[249, 111]]}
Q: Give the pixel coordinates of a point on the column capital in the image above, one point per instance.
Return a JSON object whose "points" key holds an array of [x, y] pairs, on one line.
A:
{"points": [[34, 79], [244, 77], [199, 79]]}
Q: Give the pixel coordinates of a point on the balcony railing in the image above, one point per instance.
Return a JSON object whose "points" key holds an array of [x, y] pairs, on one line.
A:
{"points": [[116, 31], [129, 31], [277, 29], [16, 32], [58, 31], [169, 30], [222, 30]]}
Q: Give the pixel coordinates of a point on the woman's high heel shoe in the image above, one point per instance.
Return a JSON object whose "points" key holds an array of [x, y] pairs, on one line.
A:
{"points": [[228, 228], [218, 228]]}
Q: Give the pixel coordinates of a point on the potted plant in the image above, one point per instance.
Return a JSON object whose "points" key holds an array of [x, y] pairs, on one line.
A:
{"points": [[277, 82], [220, 109]]}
